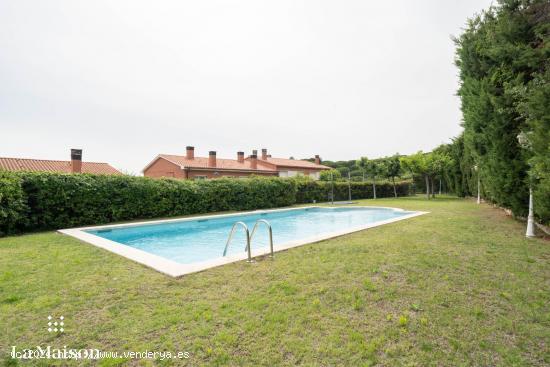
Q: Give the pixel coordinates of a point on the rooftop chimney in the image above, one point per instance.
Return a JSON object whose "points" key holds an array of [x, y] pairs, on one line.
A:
{"points": [[212, 159], [240, 157], [254, 161], [255, 152], [264, 154], [317, 159], [190, 152], [76, 160]]}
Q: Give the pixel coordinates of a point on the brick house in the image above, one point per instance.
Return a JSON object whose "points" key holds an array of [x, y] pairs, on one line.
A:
{"points": [[75, 165], [191, 167]]}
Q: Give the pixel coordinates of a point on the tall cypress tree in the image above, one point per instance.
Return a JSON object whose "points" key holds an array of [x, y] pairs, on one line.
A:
{"points": [[500, 55]]}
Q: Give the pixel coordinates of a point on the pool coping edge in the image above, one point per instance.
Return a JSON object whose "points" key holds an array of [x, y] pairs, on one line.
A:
{"points": [[174, 269]]}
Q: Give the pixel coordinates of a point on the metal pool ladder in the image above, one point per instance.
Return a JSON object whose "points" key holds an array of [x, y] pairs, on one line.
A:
{"points": [[260, 221], [249, 237], [242, 224]]}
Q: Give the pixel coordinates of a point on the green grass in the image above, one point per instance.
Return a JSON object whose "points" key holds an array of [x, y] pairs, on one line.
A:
{"points": [[458, 286]]}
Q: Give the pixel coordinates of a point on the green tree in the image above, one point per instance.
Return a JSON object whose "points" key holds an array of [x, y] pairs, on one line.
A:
{"points": [[417, 164], [331, 174], [503, 58], [392, 169], [371, 169], [361, 165], [536, 110], [374, 170], [437, 163]]}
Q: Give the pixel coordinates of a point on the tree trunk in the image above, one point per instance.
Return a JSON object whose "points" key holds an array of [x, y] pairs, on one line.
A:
{"points": [[427, 186], [374, 187], [394, 190], [433, 188], [439, 186]]}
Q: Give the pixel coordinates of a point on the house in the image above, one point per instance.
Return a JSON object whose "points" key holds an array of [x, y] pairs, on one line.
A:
{"points": [[75, 165], [189, 166]]}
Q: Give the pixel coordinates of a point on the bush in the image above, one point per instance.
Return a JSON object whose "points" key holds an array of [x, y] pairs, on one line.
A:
{"points": [[13, 209], [41, 201]]}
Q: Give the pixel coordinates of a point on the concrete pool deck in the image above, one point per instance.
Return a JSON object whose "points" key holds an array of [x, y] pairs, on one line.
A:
{"points": [[174, 269]]}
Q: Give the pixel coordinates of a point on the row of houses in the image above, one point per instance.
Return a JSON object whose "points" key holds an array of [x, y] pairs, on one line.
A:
{"points": [[185, 167]]}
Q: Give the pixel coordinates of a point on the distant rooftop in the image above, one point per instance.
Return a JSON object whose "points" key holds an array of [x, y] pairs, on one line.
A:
{"points": [[44, 165]]}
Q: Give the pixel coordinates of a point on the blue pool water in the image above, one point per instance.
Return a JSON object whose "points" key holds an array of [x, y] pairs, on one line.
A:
{"points": [[191, 241]]}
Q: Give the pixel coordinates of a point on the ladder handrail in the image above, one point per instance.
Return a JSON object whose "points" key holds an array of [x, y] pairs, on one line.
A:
{"points": [[242, 224], [259, 221]]}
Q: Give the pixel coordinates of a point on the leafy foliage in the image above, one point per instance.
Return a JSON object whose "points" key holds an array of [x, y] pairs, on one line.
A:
{"points": [[392, 167], [36, 201], [39, 201], [308, 190], [536, 110], [12, 203], [328, 175], [503, 57], [363, 168]]}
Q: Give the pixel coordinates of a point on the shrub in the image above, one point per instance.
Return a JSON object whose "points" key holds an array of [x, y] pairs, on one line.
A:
{"points": [[38, 201], [13, 209]]}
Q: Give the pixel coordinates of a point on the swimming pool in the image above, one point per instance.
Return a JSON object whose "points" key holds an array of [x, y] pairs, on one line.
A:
{"points": [[180, 246]]}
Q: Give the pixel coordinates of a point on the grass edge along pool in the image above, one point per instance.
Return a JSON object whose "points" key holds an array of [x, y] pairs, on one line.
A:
{"points": [[176, 269]]}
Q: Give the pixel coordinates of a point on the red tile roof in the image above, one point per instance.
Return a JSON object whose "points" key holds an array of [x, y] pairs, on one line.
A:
{"points": [[202, 162], [283, 162], [43, 165]]}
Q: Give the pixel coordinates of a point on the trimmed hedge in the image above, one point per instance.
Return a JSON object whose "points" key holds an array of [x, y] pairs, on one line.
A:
{"points": [[13, 209], [41, 201]]}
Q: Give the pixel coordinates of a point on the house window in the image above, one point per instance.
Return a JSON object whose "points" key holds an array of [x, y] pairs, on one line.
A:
{"points": [[200, 177]]}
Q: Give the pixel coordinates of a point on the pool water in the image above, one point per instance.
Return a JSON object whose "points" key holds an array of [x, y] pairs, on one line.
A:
{"points": [[196, 240]]}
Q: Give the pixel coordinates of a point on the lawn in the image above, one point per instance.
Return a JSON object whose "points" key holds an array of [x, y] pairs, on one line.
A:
{"points": [[458, 286]]}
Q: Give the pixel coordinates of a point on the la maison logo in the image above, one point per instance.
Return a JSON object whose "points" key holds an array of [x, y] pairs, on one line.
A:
{"points": [[55, 326]]}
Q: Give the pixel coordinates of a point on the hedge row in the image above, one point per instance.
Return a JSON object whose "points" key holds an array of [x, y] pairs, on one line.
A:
{"points": [[40, 201], [13, 209]]}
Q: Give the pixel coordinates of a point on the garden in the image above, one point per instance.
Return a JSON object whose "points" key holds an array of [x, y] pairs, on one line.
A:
{"points": [[459, 286], [464, 284]]}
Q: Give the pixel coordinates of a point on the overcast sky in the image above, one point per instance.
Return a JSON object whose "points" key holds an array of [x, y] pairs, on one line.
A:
{"points": [[127, 80]]}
